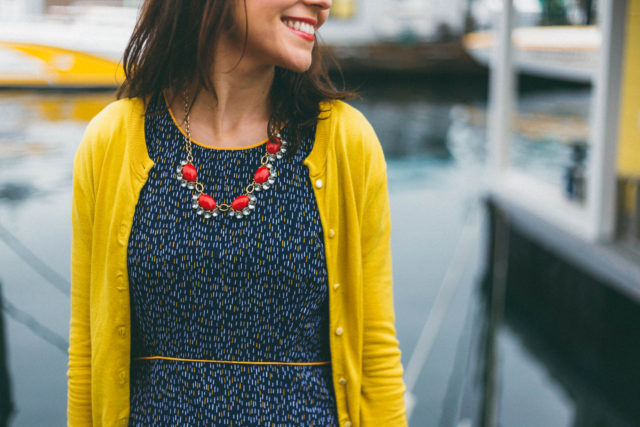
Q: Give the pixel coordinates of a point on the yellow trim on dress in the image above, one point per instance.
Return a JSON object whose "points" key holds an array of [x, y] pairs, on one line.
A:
{"points": [[238, 362]]}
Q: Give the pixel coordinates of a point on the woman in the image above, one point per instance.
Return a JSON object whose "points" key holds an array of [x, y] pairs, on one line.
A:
{"points": [[231, 259]]}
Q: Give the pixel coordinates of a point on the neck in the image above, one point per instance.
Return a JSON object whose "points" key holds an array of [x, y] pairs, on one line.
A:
{"points": [[241, 100]]}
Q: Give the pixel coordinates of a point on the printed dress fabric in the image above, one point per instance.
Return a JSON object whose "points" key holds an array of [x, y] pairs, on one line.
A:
{"points": [[229, 316]]}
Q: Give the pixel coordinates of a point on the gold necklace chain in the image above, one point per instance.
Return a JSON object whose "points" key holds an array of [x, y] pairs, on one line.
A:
{"points": [[205, 204]]}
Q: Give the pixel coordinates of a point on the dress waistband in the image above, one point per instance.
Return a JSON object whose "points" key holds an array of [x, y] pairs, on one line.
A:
{"points": [[236, 362]]}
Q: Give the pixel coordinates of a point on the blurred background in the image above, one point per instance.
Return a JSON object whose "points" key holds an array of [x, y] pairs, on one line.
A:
{"points": [[511, 130]]}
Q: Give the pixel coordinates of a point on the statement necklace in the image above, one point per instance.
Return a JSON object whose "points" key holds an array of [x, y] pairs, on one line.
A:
{"points": [[205, 204]]}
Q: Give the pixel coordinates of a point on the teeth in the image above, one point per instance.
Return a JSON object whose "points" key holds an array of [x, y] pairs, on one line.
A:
{"points": [[300, 26]]}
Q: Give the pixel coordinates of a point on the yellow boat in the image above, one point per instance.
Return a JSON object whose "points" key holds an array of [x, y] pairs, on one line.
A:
{"points": [[35, 65], [82, 49]]}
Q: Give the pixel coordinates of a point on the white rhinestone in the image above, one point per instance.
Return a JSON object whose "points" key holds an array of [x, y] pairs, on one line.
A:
{"points": [[258, 187], [279, 156], [179, 169], [190, 186], [265, 186], [184, 162], [269, 165], [207, 215], [271, 181], [252, 198], [200, 211], [252, 207], [179, 176], [195, 196], [195, 206], [215, 213], [232, 212], [246, 211], [283, 150], [239, 215], [183, 184]]}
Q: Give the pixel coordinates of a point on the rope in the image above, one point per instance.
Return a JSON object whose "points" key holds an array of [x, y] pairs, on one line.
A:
{"points": [[36, 263], [34, 325]]}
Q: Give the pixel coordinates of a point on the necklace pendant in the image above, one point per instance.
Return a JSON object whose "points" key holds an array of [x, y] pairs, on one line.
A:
{"points": [[240, 203], [187, 174], [206, 202]]}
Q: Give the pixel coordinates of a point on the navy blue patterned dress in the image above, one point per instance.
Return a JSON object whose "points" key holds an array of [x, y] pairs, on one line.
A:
{"points": [[229, 316]]}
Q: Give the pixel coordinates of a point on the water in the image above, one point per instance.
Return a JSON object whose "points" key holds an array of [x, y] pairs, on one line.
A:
{"points": [[435, 147]]}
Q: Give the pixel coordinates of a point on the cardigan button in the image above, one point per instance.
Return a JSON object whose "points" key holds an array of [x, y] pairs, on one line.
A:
{"points": [[123, 422], [336, 286], [339, 331], [342, 381], [123, 232], [331, 233], [318, 183], [122, 331], [347, 424]]}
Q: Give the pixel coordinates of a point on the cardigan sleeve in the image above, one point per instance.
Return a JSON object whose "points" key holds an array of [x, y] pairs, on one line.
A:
{"points": [[382, 398], [82, 210]]}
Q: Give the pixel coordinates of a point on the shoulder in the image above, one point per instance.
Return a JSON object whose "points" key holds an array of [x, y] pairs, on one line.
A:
{"points": [[351, 134], [114, 123], [108, 133], [346, 119], [115, 118]]}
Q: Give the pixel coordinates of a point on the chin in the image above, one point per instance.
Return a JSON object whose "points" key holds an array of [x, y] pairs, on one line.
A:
{"points": [[298, 66]]}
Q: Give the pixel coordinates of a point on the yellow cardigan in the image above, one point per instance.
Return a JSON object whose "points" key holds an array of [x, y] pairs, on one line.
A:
{"points": [[348, 172]]}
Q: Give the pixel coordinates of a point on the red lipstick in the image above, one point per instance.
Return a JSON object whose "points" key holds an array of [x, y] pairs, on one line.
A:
{"points": [[301, 34]]}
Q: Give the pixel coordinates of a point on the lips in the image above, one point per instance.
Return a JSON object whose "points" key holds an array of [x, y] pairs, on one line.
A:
{"points": [[302, 27]]}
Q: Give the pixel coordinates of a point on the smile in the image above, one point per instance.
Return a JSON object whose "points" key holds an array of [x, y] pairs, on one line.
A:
{"points": [[304, 28]]}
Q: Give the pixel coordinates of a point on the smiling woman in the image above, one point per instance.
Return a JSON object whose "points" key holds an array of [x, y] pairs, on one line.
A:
{"points": [[231, 233]]}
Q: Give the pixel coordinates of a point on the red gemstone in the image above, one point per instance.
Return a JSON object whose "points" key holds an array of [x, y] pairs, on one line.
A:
{"points": [[274, 144], [262, 175], [240, 203], [207, 202], [189, 172]]}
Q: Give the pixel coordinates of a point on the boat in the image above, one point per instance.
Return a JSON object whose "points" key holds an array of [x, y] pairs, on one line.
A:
{"points": [[558, 52], [72, 47]]}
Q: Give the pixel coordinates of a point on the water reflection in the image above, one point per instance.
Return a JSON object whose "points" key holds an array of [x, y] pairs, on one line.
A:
{"points": [[554, 346]]}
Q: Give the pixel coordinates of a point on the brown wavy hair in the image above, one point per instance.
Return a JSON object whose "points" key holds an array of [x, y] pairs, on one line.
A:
{"points": [[171, 47]]}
